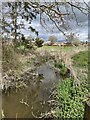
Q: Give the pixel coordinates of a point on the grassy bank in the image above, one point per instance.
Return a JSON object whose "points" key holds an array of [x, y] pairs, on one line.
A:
{"points": [[61, 48], [81, 59], [22, 58], [16, 60], [55, 48], [70, 96], [71, 99]]}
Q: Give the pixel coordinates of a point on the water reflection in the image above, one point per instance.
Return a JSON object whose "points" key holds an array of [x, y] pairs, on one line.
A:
{"points": [[32, 100]]}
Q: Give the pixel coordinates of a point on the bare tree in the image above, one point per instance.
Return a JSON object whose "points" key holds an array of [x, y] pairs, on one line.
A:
{"points": [[73, 39], [52, 39], [14, 11], [59, 13]]}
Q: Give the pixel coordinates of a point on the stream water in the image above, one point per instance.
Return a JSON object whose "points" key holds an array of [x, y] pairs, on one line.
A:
{"points": [[32, 100]]}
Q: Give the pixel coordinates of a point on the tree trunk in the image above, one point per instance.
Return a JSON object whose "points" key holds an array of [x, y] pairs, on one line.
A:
{"points": [[15, 22]]}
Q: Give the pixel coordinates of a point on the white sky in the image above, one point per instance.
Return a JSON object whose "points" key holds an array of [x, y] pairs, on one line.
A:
{"points": [[44, 0]]}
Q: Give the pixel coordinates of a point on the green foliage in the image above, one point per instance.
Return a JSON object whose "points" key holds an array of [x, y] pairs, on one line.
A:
{"points": [[39, 42], [63, 71], [81, 59], [70, 98], [58, 64], [61, 66], [24, 45], [27, 42]]}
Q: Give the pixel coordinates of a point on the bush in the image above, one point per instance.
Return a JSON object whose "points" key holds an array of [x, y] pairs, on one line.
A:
{"points": [[58, 65], [24, 43], [70, 98], [27, 44], [39, 42], [63, 71], [61, 66], [9, 58]]}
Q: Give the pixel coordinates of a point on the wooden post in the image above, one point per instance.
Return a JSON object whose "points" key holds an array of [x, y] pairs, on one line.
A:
{"points": [[87, 111]]}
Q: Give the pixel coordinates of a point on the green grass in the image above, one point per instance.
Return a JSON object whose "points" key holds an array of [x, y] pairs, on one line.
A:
{"points": [[81, 59], [70, 98], [55, 48]]}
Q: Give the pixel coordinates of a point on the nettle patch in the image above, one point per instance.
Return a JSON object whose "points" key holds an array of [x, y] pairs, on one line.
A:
{"points": [[71, 99]]}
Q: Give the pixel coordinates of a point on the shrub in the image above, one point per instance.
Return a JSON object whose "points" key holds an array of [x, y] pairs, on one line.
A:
{"points": [[63, 71], [61, 66], [58, 64], [24, 43], [39, 42], [9, 58]]}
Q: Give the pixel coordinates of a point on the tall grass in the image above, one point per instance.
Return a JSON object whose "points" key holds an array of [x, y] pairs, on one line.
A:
{"points": [[9, 58], [16, 60]]}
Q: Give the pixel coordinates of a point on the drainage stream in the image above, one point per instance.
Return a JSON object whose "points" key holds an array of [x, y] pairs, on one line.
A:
{"points": [[31, 101]]}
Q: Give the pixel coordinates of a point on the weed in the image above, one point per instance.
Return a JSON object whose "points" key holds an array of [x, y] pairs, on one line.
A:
{"points": [[70, 98]]}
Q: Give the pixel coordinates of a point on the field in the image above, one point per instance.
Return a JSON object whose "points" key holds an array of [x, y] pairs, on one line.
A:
{"points": [[60, 48]]}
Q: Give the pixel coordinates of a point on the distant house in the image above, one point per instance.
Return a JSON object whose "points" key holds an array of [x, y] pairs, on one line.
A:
{"points": [[56, 44], [86, 43], [63, 43]]}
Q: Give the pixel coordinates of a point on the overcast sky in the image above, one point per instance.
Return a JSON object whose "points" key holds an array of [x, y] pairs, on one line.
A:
{"points": [[81, 30]]}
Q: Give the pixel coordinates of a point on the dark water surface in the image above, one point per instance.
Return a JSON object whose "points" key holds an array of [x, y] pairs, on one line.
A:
{"points": [[32, 100]]}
